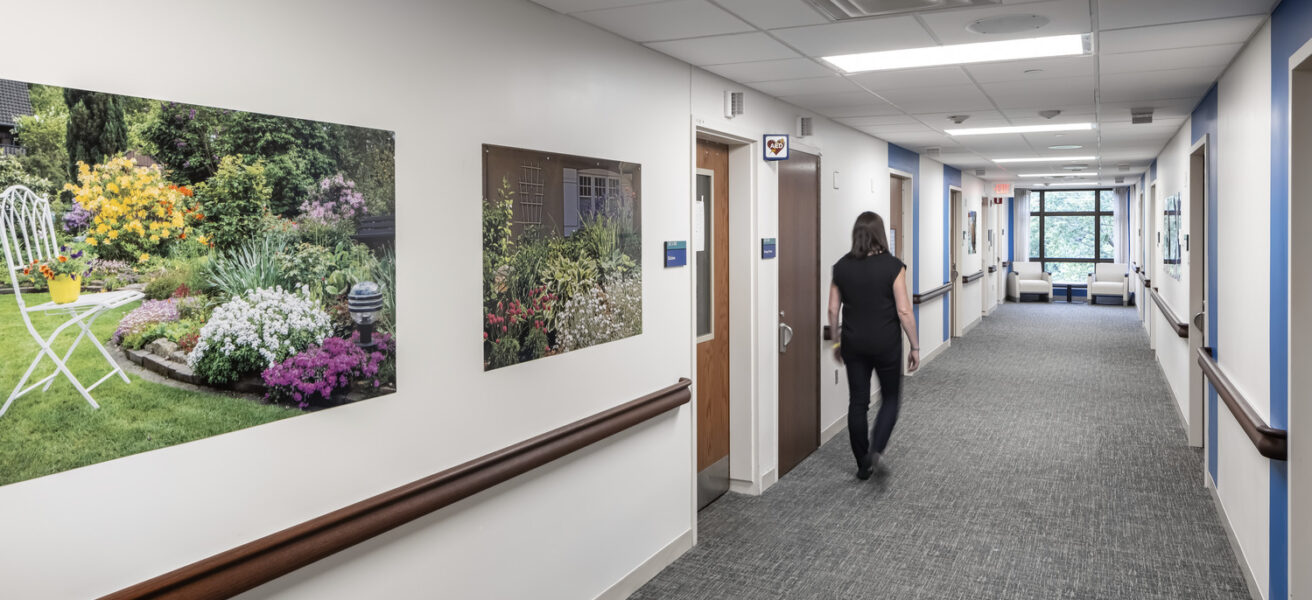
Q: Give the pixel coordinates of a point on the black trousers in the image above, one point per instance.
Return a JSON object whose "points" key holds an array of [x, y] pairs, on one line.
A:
{"points": [[859, 368]]}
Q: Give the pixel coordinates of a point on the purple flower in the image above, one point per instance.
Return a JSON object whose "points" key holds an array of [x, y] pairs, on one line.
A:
{"points": [[321, 371], [149, 313], [192, 114], [333, 200], [77, 219]]}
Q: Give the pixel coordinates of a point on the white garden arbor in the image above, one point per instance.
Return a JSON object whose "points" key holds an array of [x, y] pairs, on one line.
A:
{"points": [[27, 229]]}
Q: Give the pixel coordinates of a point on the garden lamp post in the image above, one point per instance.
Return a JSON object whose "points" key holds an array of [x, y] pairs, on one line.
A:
{"points": [[365, 301]]}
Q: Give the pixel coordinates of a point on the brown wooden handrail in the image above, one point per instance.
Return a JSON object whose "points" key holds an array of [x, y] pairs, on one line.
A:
{"points": [[924, 297], [1181, 328], [972, 277], [250, 565], [1271, 442]]}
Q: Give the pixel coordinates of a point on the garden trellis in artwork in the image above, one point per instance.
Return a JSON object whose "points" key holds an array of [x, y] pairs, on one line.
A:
{"points": [[562, 253], [241, 266]]}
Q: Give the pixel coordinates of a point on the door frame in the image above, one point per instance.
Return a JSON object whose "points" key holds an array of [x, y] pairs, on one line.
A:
{"points": [[955, 255], [1298, 415], [910, 237], [752, 405], [1198, 272], [1154, 252]]}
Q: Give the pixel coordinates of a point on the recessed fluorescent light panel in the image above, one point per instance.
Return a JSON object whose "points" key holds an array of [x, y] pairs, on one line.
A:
{"points": [[961, 54], [1068, 174], [1022, 129], [1044, 159], [1065, 147]]}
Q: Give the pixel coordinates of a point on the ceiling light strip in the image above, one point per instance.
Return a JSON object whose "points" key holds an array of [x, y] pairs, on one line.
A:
{"points": [[1068, 174], [1043, 159], [1022, 129], [961, 54]]}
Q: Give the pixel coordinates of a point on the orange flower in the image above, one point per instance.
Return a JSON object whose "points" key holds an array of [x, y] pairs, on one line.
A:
{"points": [[27, 271], [182, 236], [63, 259], [185, 191]]}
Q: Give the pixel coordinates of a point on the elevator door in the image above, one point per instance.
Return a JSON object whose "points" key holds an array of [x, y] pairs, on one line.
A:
{"points": [[799, 309], [711, 252]]}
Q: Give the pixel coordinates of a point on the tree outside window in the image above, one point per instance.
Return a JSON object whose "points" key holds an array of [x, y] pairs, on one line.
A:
{"points": [[1071, 231]]}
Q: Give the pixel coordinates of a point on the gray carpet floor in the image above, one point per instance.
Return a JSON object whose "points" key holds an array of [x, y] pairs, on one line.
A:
{"points": [[1039, 457]]}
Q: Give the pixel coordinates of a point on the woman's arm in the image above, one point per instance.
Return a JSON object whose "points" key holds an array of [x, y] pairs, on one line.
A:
{"points": [[835, 303], [908, 318]]}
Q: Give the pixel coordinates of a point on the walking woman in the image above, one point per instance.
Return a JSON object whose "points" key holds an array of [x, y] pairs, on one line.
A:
{"points": [[870, 287]]}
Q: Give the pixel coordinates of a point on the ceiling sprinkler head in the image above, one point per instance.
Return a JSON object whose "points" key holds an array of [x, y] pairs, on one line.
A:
{"points": [[1050, 113], [958, 119]]}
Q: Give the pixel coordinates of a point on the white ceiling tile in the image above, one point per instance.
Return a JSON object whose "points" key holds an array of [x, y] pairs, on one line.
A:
{"points": [[1175, 58], [857, 36], [953, 98], [1054, 92], [1029, 115], [917, 141], [832, 84], [1065, 16], [722, 49], [771, 14], [859, 122], [1114, 112], [912, 78], [841, 100], [872, 108], [1126, 133], [1178, 83], [573, 6], [996, 145], [1116, 14], [771, 70], [1181, 35], [976, 116], [666, 20], [883, 130], [1048, 68]]}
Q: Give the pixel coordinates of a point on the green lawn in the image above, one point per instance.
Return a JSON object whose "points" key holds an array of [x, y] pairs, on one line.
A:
{"points": [[53, 431]]}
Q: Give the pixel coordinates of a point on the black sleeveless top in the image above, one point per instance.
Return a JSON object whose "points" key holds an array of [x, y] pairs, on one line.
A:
{"points": [[870, 322]]}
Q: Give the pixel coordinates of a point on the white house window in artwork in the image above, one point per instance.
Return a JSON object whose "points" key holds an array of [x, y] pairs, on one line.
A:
{"points": [[598, 192]]}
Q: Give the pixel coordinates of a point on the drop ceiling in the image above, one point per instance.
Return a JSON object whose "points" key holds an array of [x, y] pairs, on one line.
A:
{"points": [[1159, 54]]}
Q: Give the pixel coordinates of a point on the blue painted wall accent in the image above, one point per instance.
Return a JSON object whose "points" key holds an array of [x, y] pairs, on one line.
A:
{"points": [[909, 162], [1203, 122], [1011, 226], [951, 177], [1291, 27]]}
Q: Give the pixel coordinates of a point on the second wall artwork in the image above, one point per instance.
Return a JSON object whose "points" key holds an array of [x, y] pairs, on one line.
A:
{"points": [[562, 253]]}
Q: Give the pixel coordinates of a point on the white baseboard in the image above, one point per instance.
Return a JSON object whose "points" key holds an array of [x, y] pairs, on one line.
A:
{"points": [[751, 488], [838, 426], [924, 360], [1253, 589], [969, 326], [638, 577]]}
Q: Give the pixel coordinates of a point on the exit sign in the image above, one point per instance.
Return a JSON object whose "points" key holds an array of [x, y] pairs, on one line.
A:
{"points": [[1002, 189]]}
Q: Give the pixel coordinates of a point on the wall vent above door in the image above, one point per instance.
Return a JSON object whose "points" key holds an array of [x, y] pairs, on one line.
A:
{"points": [[843, 10], [733, 104], [804, 127]]}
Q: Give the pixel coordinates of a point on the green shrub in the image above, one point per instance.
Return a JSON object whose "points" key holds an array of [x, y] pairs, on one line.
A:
{"points": [[253, 265], [13, 173], [306, 265], [234, 201]]}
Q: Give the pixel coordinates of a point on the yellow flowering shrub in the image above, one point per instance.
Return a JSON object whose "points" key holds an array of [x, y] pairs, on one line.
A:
{"points": [[135, 211]]}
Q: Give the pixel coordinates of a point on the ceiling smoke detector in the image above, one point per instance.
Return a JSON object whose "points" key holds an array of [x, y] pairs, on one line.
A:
{"points": [[846, 10], [1141, 116], [1050, 113], [1006, 24], [958, 119]]}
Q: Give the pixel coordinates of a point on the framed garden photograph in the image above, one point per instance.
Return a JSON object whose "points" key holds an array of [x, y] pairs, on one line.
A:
{"points": [[562, 253], [174, 272]]}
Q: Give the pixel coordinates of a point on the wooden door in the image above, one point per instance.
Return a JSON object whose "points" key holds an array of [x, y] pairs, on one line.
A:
{"points": [[711, 207], [954, 274], [799, 309]]}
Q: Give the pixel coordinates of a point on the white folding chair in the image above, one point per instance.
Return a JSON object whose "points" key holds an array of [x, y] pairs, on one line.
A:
{"points": [[28, 232]]}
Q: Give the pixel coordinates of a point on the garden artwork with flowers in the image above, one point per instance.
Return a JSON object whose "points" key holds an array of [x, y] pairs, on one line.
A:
{"points": [[243, 232], [562, 252]]}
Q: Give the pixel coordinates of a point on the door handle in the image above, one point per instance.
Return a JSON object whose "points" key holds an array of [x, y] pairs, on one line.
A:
{"points": [[1198, 320], [785, 336]]}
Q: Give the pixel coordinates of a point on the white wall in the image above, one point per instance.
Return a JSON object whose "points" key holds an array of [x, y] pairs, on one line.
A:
{"points": [[446, 77], [930, 249], [1244, 118], [1172, 350], [970, 306]]}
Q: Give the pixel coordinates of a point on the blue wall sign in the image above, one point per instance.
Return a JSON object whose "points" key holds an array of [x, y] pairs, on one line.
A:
{"points": [[676, 254], [768, 248]]}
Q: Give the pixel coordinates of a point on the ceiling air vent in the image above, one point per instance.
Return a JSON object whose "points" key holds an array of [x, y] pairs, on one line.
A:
{"points": [[979, 172], [733, 104], [1141, 116], [805, 127], [844, 10], [1120, 179], [933, 151]]}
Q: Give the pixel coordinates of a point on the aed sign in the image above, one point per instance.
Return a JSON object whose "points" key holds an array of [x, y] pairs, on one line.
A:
{"points": [[768, 248], [776, 146], [676, 254]]}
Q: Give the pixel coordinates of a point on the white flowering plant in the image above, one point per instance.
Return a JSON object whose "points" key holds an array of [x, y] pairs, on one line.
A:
{"points": [[601, 314], [256, 330]]}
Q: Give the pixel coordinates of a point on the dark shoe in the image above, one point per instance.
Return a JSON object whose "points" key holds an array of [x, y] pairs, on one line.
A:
{"points": [[864, 472]]}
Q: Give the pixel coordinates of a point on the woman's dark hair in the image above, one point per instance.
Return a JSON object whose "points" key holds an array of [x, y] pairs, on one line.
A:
{"points": [[868, 235]]}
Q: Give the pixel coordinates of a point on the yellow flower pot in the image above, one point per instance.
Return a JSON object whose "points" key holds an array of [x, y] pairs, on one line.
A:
{"points": [[65, 289]]}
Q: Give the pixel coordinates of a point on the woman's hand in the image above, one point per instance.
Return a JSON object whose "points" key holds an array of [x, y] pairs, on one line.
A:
{"points": [[838, 354], [913, 361]]}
